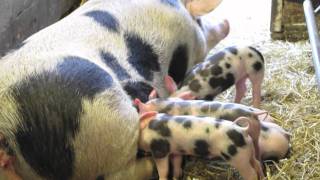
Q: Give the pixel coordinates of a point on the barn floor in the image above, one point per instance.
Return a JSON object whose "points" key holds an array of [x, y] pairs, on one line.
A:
{"points": [[289, 92]]}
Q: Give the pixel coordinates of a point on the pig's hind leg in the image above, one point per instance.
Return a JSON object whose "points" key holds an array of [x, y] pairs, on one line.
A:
{"points": [[241, 89], [256, 81]]}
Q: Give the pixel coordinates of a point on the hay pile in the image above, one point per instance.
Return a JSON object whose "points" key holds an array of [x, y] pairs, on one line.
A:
{"points": [[289, 93]]}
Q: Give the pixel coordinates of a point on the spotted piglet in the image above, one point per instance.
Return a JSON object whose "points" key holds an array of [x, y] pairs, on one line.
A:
{"points": [[164, 135], [232, 65], [270, 140]]}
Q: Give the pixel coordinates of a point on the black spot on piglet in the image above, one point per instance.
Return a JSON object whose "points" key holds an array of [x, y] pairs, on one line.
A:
{"points": [[159, 148], [236, 137], [161, 127], [257, 66], [233, 50], [201, 148], [232, 150]]}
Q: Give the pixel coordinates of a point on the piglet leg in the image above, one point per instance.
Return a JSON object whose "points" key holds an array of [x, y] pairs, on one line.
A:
{"points": [[162, 167], [241, 89], [177, 161], [256, 80], [247, 165]]}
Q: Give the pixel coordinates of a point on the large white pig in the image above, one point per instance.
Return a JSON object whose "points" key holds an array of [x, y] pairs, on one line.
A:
{"points": [[66, 93]]}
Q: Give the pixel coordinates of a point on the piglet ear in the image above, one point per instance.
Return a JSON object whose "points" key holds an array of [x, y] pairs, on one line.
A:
{"points": [[170, 84], [141, 106], [146, 117], [201, 7], [153, 94]]}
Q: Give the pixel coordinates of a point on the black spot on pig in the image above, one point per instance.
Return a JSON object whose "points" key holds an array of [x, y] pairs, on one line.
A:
{"points": [[187, 124], [217, 124], [100, 177], [160, 127], [225, 156], [205, 73], [258, 52], [113, 64], [214, 106], [201, 148], [49, 105], [228, 65], [236, 137], [180, 119], [264, 128], [257, 66], [223, 83], [105, 19], [189, 77], [195, 85], [172, 3], [160, 148], [167, 108], [232, 50], [142, 56], [138, 89], [216, 57], [179, 63], [205, 108], [207, 130], [228, 116], [216, 70], [232, 150]]}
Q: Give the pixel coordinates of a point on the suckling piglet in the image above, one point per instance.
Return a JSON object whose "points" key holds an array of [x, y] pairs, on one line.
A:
{"points": [[232, 65], [271, 141], [164, 135]]}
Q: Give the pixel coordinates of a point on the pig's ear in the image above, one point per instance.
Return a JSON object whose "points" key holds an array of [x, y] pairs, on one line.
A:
{"points": [[146, 117], [170, 84], [201, 7]]}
